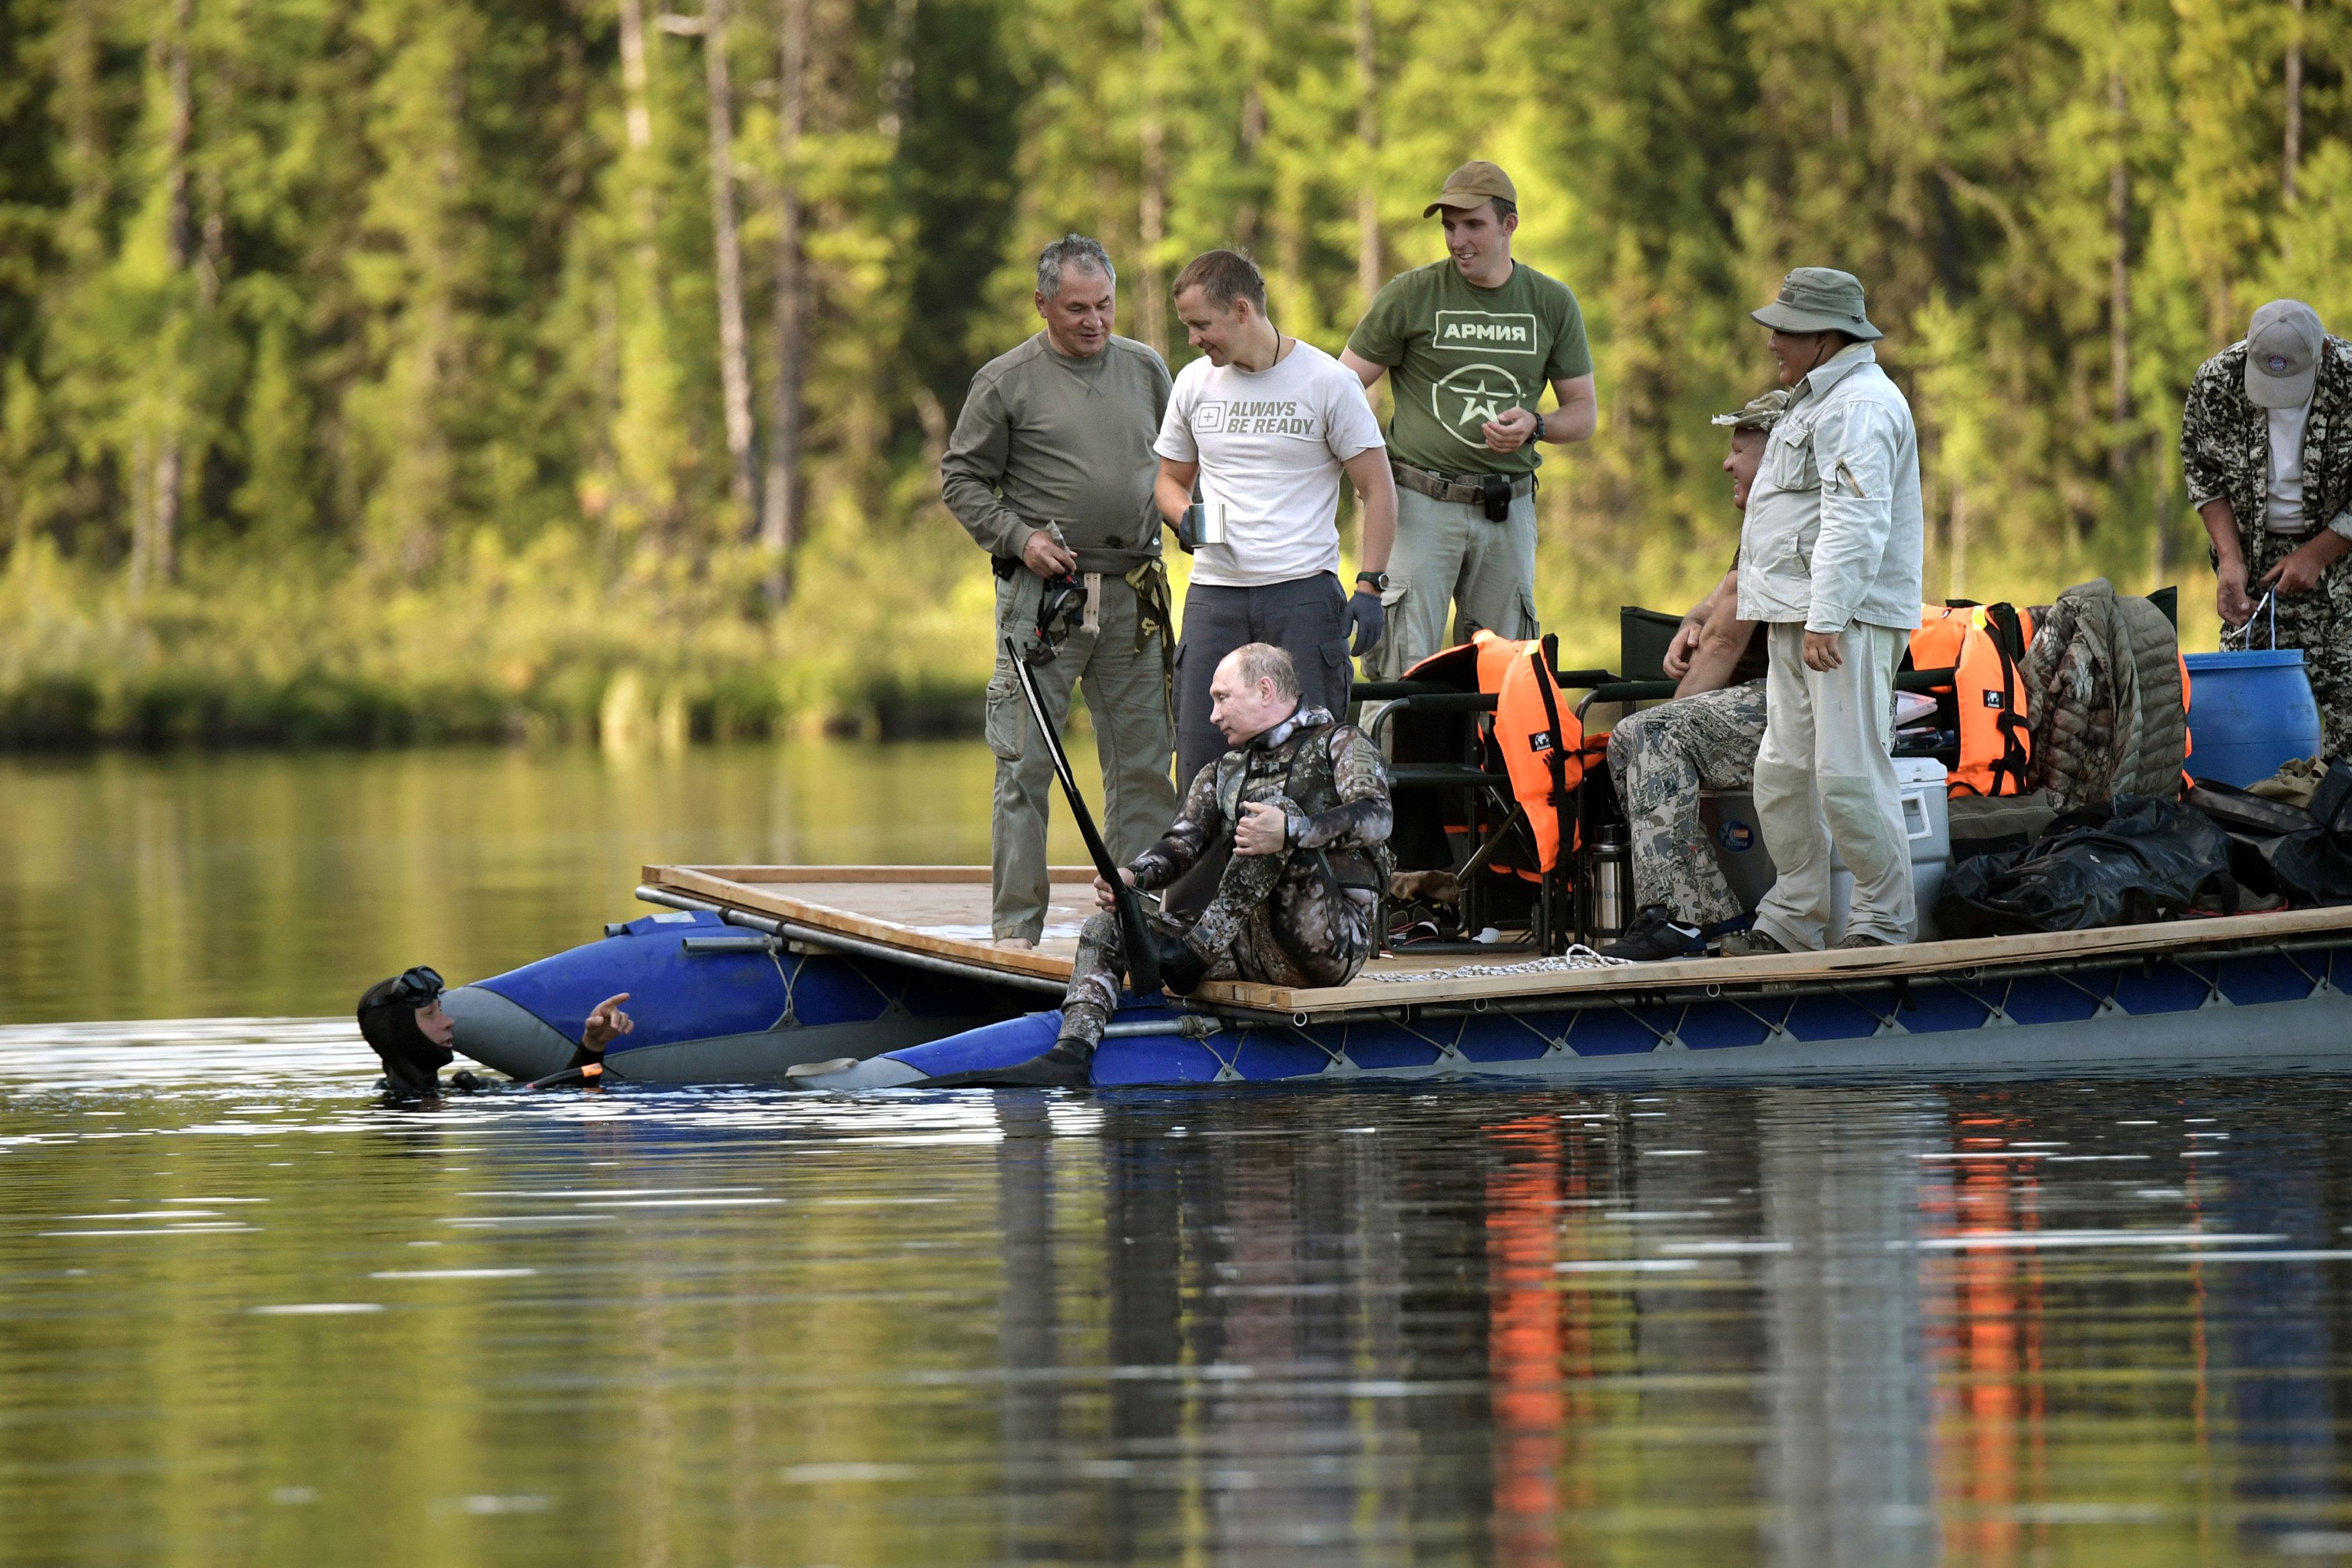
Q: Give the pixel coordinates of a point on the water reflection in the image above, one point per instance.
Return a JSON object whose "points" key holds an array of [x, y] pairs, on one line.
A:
{"points": [[186, 884], [251, 1313]]}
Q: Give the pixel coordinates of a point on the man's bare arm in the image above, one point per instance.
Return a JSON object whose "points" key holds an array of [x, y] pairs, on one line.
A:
{"points": [[1370, 471], [1172, 491], [1719, 648], [1579, 413], [1366, 371]]}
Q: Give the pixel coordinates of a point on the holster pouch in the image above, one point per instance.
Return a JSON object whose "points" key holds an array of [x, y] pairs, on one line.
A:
{"points": [[1003, 566], [1494, 493]]}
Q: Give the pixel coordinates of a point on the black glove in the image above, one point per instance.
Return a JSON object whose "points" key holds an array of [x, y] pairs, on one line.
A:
{"points": [[1367, 621]]}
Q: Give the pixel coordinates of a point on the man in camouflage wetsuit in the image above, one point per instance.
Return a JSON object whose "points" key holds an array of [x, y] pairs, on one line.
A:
{"points": [[1705, 738], [1303, 802], [2266, 444]]}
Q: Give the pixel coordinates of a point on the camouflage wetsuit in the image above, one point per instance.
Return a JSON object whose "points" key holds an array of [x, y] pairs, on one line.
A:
{"points": [[1302, 916], [1660, 758], [2225, 452]]}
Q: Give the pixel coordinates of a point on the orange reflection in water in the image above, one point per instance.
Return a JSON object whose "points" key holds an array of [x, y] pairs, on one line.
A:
{"points": [[1989, 1358], [1525, 1340]]}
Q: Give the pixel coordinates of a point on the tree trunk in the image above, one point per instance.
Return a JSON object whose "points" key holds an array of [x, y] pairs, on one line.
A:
{"points": [[734, 362], [780, 521], [1958, 579], [2119, 450], [2293, 151], [1245, 217], [1368, 268], [1153, 217], [155, 557]]}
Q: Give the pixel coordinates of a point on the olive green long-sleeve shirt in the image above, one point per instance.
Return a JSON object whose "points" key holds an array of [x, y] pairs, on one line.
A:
{"points": [[1046, 438]]}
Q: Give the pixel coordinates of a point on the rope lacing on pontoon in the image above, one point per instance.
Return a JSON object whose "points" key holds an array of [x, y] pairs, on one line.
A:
{"points": [[1578, 957]]}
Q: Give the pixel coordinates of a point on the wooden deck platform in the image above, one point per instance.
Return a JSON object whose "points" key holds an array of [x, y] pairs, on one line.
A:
{"points": [[944, 911]]}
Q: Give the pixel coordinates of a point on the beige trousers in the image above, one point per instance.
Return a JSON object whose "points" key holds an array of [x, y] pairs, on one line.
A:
{"points": [[1824, 777]]}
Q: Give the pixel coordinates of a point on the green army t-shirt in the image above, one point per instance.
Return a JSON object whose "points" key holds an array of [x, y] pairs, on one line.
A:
{"points": [[1459, 355]]}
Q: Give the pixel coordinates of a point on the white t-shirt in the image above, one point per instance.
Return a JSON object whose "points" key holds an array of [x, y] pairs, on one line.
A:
{"points": [[2285, 507], [1269, 444]]}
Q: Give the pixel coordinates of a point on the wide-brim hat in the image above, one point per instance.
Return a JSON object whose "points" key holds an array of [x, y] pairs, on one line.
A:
{"points": [[1819, 299], [2283, 354]]}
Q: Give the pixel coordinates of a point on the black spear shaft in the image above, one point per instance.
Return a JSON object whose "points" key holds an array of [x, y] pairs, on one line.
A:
{"points": [[1143, 959]]}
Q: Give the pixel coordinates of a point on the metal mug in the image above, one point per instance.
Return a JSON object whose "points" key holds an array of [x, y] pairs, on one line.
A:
{"points": [[1612, 880], [1203, 524]]}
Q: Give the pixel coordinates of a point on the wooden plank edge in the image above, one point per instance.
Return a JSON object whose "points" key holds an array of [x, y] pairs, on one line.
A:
{"points": [[757, 874], [1918, 959], [825, 917]]}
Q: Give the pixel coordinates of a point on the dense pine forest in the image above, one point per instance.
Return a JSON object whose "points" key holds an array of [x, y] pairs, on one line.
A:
{"points": [[381, 370]]}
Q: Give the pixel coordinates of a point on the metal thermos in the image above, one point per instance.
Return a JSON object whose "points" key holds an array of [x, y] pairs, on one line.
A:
{"points": [[1612, 880], [1205, 524]]}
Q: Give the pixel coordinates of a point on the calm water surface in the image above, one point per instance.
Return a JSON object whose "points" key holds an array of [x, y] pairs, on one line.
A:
{"points": [[248, 1314]]}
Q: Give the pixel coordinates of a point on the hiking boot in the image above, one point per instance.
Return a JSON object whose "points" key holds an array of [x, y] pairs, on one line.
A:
{"points": [[1863, 939], [1654, 936], [1749, 944]]}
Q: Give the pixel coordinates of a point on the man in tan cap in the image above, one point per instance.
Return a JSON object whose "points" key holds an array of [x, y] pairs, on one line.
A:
{"points": [[1661, 757], [1830, 558], [2266, 442], [1469, 343]]}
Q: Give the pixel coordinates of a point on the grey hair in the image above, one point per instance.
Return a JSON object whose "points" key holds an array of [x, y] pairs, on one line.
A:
{"points": [[1072, 250], [1256, 662]]}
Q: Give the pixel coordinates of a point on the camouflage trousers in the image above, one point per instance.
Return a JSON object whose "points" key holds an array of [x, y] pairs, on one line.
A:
{"points": [[1660, 758], [2319, 623], [1276, 919]]}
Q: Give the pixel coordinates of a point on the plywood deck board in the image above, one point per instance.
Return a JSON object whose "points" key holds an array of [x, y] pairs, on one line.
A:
{"points": [[946, 919], [1859, 965], [879, 873]]}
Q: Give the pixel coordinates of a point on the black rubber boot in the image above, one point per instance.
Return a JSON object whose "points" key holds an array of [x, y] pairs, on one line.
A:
{"points": [[1068, 1065], [1182, 970]]}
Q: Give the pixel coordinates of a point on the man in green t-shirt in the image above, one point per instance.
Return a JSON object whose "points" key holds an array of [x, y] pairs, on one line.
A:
{"points": [[1469, 343]]}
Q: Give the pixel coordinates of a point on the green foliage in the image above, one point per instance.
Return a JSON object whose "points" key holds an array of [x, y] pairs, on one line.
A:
{"points": [[399, 317]]}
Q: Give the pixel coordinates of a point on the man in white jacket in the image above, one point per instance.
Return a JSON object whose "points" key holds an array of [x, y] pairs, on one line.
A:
{"points": [[1829, 560]]}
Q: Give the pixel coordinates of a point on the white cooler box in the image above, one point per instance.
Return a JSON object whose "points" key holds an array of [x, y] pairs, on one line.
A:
{"points": [[1730, 819]]}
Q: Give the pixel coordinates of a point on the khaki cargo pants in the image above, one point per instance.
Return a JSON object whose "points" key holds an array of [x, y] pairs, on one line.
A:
{"points": [[1127, 698], [1449, 557]]}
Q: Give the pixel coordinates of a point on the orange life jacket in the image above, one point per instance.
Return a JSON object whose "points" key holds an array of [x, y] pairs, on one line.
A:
{"points": [[1539, 734], [1983, 644]]}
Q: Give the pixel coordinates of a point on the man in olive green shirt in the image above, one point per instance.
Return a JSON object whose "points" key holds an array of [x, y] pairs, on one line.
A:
{"points": [[1468, 344], [1050, 470]]}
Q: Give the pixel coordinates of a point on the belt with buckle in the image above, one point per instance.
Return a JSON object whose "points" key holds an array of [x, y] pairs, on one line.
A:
{"points": [[1470, 489]]}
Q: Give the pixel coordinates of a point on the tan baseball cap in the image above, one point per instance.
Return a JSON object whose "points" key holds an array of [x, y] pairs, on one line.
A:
{"points": [[2283, 354], [1474, 184], [1761, 413]]}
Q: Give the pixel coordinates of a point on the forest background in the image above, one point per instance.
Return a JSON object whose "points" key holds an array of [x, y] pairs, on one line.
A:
{"points": [[382, 369]]}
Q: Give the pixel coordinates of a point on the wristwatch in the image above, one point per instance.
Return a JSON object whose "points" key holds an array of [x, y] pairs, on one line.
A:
{"points": [[1539, 429], [1379, 579]]}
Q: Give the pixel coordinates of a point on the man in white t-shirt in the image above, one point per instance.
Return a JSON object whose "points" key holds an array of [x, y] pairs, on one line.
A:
{"points": [[1265, 425]]}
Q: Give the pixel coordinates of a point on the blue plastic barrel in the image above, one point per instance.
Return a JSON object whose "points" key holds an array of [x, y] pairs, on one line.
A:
{"points": [[2248, 713]]}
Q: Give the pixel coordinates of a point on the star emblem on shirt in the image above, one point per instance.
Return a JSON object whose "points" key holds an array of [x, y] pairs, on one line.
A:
{"points": [[1483, 401]]}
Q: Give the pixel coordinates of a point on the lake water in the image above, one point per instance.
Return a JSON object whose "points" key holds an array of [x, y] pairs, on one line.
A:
{"points": [[249, 1314]]}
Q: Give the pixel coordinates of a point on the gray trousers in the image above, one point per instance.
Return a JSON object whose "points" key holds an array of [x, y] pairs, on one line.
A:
{"points": [[1306, 618], [1127, 699], [1448, 557], [1824, 777]]}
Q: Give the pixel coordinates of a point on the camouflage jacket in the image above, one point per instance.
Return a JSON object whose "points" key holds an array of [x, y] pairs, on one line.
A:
{"points": [[2225, 441], [1331, 771]]}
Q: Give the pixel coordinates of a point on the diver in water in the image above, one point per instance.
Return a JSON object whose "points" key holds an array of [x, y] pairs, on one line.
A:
{"points": [[405, 1024]]}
